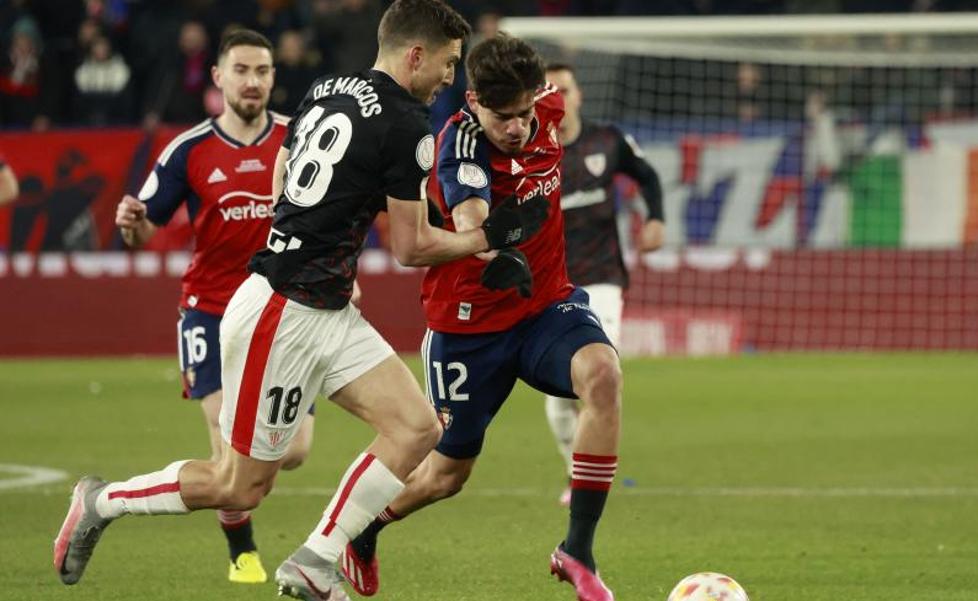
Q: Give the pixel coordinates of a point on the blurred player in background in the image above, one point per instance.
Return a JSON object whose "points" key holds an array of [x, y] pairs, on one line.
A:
{"points": [[593, 155], [9, 189], [222, 169], [359, 142], [516, 315]]}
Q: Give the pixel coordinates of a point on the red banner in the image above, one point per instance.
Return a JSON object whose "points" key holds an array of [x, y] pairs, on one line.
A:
{"points": [[70, 183]]}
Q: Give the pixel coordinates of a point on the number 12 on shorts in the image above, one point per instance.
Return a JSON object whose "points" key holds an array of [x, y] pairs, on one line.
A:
{"points": [[461, 375], [288, 410]]}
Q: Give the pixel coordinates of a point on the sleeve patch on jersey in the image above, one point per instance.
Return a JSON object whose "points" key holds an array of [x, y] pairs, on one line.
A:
{"points": [[425, 152], [471, 175], [150, 187]]}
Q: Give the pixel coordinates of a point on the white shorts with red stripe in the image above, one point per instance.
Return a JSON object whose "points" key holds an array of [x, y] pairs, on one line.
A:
{"points": [[277, 356]]}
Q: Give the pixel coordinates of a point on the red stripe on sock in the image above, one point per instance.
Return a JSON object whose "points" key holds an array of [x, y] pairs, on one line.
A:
{"points": [[159, 489], [590, 485], [388, 515], [595, 458], [250, 393], [583, 476], [345, 493]]}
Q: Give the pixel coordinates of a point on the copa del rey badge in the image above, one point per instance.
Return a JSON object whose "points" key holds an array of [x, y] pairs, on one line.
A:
{"points": [[596, 163]]}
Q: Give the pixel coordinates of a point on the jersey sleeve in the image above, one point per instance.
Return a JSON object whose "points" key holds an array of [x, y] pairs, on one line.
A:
{"points": [[633, 164], [166, 187], [463, 164], [408, 154]]}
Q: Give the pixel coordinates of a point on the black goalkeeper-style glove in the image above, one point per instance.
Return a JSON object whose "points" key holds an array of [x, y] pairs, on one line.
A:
{"points": [[509, 269], [511, 223]]}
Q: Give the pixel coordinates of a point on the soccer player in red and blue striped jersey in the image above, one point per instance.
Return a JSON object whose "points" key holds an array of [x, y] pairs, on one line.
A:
{"points": [[499, 317]]}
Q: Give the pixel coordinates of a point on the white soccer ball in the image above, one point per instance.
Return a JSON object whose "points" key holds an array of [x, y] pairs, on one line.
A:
{"points": [[708, 586]]}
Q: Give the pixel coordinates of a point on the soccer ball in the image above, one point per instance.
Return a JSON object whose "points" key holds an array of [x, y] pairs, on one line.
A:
{"points": [[708, 586]]}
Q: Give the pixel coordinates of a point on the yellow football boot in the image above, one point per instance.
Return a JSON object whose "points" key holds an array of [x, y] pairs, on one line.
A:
{"points": [[247, 569]]}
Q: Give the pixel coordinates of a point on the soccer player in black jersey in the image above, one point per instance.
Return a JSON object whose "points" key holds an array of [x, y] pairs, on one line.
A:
{"points": [[593, 155], [358, 143]]}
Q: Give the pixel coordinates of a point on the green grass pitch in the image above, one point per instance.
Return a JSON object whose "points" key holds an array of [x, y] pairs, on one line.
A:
{"points": [[806, 477]]}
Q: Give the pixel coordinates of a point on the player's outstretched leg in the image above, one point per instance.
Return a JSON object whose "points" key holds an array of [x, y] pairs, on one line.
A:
{"points": [[596, 377], [562, 417], [80, 531], [95, 503]]}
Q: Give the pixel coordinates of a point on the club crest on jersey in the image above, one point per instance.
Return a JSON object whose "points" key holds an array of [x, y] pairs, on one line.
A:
{"points": [[596, 163], [275, 437], [425, 152], [470, 174], [445, 417], [464, 311]]}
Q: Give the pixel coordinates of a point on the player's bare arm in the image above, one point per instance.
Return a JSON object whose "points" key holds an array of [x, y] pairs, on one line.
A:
{"points": [[415, 242], [469, 215], [130, 217], [278, 173]]}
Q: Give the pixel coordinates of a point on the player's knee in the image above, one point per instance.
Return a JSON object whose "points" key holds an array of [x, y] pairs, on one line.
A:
{"points": [[422, 434], [602, 383]]}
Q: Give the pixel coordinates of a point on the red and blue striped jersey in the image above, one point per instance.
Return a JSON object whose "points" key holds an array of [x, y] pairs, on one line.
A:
{"points": [[227, 186], [467, 165]]}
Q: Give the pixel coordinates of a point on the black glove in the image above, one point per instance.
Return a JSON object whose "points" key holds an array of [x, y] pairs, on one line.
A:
{"points": [[509, 269], [511, 223]]}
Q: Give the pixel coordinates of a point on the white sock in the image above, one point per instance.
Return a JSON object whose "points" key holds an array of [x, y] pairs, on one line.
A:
{"points": [[366, 489], [157, 493], [562, 417]]}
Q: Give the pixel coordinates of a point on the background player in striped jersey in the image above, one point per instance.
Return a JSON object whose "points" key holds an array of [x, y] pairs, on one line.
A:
{"points": [[515, 317], [359, 142], [222, 170], [593, 155]]}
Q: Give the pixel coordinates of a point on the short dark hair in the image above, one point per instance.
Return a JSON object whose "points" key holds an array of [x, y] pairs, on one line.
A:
{"points": [[243, 37], [427, 21], [501, 68]]}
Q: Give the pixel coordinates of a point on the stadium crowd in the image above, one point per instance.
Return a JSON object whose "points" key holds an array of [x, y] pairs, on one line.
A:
{"points": [[120, 62]]}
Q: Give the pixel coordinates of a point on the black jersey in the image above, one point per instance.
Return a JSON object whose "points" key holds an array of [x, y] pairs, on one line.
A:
{"points": [[588, 202], [354, 141]]}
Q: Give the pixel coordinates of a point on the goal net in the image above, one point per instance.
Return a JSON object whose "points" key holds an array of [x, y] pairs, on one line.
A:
{"points": [[820, 175]]}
